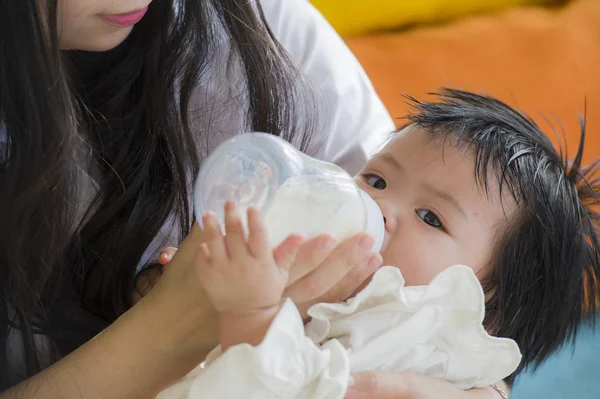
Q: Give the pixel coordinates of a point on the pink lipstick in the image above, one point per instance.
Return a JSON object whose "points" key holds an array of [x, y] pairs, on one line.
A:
{"points": [[127, 19]]}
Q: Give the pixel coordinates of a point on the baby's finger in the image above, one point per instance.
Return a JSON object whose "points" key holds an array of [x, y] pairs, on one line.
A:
{"points": [[257, 235], [214, 237], [285, 253], [235, 236], [166, 255]]}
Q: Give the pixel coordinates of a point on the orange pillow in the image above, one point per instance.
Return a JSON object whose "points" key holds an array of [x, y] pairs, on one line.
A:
{"points": [[545, 61]]}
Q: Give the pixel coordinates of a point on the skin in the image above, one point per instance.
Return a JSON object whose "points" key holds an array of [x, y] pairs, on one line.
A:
{"points": [[247, 307], [173, 326], [174, 307], [429, 199], [81, 26], [436, 215]]}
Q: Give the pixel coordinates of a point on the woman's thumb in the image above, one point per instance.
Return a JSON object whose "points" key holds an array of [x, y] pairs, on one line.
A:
{"points": [[188, 248]]}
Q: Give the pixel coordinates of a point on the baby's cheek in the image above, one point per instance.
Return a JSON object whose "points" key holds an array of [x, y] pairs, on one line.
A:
{"points": [[419, 261]]}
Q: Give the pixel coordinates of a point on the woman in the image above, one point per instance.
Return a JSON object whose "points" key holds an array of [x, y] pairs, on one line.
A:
{"points": [[106, 109]]}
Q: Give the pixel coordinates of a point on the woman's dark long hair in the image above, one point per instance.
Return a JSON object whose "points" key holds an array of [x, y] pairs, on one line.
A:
{"points": [[67, 264]]}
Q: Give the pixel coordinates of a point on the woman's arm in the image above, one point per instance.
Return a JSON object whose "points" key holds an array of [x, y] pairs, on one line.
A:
{"points": [[150, 347], [173, 327], [138, 356], [381, 385], [504, 388]]}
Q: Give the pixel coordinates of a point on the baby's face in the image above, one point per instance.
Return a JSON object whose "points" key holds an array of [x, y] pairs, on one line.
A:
{"points": [[435, 214]]}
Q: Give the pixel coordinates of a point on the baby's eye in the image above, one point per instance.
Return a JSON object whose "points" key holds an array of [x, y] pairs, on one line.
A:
{"points": [[375, 181], [430, 218]]}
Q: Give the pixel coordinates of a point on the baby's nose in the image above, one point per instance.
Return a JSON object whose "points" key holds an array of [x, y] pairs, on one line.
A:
{"points": [[389, 211], [389, 223]]}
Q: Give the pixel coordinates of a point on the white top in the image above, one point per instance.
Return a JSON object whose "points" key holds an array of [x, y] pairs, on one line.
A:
{"points": [[433, 330], [360, 120]]}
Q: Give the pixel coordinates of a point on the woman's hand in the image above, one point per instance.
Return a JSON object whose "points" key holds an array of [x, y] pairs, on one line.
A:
{"points": [[323, 271], [381, 385], [146, 280], [150, 347]]}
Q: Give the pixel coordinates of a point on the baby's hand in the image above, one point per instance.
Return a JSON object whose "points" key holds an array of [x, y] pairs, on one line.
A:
{"points": [[238, 273]]}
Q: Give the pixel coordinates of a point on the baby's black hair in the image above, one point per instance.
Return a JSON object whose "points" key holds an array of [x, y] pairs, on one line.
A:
{"points": [[545, 268]]}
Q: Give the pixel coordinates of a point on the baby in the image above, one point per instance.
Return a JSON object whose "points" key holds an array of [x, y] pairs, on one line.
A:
{"points": [[469, 181]]}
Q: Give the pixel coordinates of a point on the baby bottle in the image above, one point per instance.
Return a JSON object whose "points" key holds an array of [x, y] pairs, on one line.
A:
{"points": [[296, 193]]}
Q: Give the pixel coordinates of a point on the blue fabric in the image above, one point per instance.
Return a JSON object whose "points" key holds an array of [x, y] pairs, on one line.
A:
{"points": [[573, 372]]}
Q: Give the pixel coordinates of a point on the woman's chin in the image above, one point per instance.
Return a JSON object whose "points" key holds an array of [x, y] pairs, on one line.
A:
{"points": [[97, 43]]}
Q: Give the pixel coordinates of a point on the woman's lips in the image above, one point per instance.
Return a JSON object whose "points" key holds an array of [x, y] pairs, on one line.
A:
{"points": [[127, 19]]}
